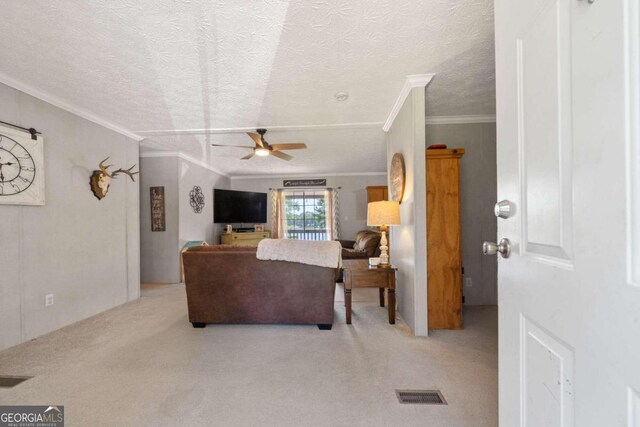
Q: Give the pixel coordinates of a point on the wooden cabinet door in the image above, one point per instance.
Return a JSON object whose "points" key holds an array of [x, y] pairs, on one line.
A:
{"points": [[244, 239], [377, 193], [444, 259]]}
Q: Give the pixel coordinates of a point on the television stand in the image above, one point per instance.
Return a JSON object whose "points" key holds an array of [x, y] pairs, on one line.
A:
{"points": [[246, 238]]}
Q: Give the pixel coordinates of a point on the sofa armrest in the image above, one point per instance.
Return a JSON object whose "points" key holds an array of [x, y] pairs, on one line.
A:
{"points": [[347, 243], [349, 253]]}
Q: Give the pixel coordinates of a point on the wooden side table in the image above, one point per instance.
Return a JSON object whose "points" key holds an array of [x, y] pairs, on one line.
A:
{"points": [[358, 274]]}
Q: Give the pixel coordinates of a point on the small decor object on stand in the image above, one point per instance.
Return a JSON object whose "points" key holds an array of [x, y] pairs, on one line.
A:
{"points": [[196, 199], [158, 222], [383, 214], [101, 179], [258, 227], [229, 229]]}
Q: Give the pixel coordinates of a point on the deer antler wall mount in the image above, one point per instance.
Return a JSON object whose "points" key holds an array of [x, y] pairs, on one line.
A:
{"points": [[101, 179]]}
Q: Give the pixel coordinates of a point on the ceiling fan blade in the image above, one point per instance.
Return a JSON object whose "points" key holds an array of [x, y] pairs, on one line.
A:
{"points": [[256, 138], [281, 155], [295, 146], [248, 156], [234, 146]]}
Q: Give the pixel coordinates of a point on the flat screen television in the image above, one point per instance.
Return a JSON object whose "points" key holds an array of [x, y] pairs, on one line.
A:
{"points": [[233, 207]]}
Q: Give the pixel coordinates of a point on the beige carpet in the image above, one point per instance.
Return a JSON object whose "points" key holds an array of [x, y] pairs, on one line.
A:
{"points": [[143, 364]]}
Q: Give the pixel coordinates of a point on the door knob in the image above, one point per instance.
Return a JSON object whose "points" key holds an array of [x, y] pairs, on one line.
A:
{"points": [[503, 209], [491, 248]]}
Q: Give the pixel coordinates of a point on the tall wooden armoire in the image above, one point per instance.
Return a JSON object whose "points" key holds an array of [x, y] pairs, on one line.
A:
{"points": [[376, 193], [444, 255]]}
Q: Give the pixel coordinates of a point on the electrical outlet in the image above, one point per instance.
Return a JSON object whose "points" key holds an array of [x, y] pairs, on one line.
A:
{"points": [[468, 282], [48, 300]]}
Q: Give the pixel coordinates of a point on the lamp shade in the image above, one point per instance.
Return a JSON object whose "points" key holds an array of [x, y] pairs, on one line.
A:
{"points": [[383, 213]]}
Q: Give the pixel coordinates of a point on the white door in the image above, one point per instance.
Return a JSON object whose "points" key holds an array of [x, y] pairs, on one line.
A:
{"points": [[569, 295]]}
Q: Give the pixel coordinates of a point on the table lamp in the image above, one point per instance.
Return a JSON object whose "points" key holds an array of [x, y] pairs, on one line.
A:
{"points": [[383, 214]]}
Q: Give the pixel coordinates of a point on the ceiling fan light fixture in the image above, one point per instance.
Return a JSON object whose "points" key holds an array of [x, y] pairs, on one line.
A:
{"points": [[262, 152]]}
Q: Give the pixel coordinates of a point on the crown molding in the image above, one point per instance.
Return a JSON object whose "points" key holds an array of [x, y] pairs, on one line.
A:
{"points": [[160, 154], [411, 81], [448, 120], [185, 157], [214, 131], [307, 175], [57, 102]]}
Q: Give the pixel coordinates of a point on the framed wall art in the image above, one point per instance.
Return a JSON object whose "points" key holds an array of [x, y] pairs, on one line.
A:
{"points": [[158, 218]]}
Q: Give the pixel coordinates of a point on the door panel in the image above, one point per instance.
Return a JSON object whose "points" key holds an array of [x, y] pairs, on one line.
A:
{"points": [[547, 377], [444, 272], [567, 81], [544, 132], [632, 61], [634, 408]]}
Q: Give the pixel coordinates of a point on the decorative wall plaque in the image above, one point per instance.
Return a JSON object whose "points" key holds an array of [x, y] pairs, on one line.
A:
{"points": [[100, 180], [158, 220], [397, 177], [196, 199], [304, 183]]}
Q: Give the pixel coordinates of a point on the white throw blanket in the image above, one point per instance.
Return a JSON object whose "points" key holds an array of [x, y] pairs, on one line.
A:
{"points": [[323, 253]]}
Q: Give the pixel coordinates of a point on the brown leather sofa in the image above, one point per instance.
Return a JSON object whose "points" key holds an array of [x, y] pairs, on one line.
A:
{"points": [[228, 284], [366, 245]]}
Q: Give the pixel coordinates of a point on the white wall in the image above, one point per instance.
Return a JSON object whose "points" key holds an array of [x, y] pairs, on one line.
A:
{"points": [[198, 226], [352, 197], [408, 241], [160, 250], [477, 196], [83, 250]]}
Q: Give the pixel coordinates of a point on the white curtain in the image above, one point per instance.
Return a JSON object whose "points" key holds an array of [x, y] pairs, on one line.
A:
{"points": [[332, 213], [278, 218]]}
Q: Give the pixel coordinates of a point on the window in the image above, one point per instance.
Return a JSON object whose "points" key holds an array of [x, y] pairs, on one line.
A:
{"points": [[305, 215]]}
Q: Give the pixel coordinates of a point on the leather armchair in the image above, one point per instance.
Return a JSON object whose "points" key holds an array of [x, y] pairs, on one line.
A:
{"points": [[366, 245]]}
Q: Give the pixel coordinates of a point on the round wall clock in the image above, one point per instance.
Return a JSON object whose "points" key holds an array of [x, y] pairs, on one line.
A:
{"points": [[396, 177], [17, 169], [21, 171]]}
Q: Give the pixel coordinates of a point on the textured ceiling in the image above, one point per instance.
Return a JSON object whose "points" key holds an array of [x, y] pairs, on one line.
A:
{"points": [[157, 65], [329, 151]]}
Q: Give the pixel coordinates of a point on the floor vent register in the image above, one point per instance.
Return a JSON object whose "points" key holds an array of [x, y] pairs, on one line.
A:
{"points": [[425, 397]]}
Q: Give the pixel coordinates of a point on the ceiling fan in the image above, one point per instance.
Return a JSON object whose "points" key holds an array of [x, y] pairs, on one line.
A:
{"points": [[263, 148]]}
